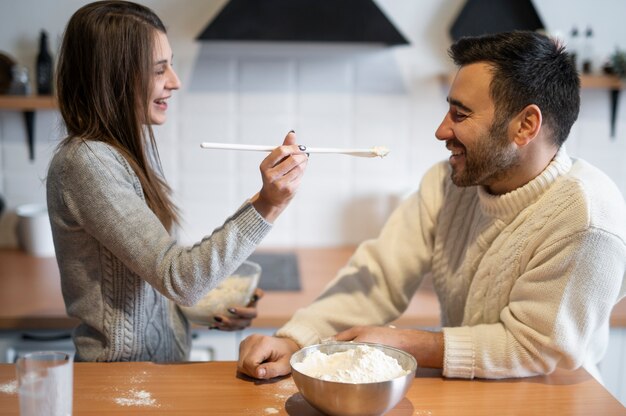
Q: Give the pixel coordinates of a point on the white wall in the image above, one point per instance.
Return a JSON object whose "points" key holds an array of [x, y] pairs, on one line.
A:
{"points": [[331, 96]]}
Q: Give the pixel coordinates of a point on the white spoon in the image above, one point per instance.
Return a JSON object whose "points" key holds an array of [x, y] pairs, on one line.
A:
{"points": [[380, 151]]}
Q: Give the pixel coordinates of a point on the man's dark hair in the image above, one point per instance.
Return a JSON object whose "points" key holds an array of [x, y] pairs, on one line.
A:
{"points": [[528, 68]]}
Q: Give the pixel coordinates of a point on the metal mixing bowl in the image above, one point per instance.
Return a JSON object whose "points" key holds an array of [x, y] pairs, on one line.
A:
{"points": [[350, 399]]}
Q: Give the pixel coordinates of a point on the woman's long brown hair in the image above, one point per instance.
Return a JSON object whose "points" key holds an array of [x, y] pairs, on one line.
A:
{"points": [[104, 79]]}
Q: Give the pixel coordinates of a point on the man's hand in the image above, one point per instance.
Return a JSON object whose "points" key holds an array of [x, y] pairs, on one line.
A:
{"points": [[265, 357]]}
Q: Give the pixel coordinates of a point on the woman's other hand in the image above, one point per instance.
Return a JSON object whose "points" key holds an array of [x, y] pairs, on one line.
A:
{"points": [[238, 317], [281, 171]]}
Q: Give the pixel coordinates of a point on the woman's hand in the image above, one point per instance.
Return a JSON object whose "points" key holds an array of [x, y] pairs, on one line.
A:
{"points": [[238, 317], [281, 171]]}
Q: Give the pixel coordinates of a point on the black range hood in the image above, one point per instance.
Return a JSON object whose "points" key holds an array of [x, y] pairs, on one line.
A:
{"points": [[482, 17], [346, 21]]}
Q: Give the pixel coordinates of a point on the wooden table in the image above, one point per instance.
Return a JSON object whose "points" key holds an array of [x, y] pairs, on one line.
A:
{"points": [[215, 388]]}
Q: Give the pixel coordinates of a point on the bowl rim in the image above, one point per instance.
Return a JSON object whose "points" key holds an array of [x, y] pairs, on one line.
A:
{"points": [[254, 264], [412, 370]]}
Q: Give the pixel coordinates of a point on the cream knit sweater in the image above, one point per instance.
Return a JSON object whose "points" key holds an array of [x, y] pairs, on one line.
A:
{"points": [[526, 280]]}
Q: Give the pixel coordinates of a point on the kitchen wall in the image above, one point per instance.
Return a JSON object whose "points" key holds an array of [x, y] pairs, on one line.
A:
{"points": [[337, 95]]}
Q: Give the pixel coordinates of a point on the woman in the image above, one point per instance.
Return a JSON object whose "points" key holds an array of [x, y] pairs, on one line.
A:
{"points": [[122, 273]]}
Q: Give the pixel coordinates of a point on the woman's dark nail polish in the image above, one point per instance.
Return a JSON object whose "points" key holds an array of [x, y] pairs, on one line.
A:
{"points": [[218, 318], [302, 147], [292, 131]]}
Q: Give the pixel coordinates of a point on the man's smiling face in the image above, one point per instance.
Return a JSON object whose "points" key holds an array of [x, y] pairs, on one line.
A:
{"points": [[482, 152]]}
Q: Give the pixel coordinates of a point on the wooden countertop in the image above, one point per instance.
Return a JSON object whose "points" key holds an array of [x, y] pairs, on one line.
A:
{"points": [[30, 293], [215, 388]]}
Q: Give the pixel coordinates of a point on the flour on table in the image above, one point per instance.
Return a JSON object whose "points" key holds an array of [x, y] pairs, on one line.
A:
{"points": [[9, 388], [270, 411], [136, 398], [363, 364], [288, 384]]}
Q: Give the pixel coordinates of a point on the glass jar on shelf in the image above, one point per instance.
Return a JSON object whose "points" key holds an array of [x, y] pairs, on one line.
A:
{"points": [[20, 81]]}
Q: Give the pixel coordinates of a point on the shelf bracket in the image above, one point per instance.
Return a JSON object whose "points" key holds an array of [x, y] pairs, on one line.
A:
{"points": [[614, 100], [29, 120]]}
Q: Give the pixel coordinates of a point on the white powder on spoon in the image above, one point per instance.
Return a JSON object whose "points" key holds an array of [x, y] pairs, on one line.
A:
{"points": [[363, 364]]}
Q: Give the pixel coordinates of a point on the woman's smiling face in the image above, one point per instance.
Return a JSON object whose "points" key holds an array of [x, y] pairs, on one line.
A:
{"points": [[164, 81]]}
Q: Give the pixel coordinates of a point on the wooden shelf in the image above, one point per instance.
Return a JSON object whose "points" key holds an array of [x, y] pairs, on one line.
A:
{"points": [[28, 103], [609, 82]]}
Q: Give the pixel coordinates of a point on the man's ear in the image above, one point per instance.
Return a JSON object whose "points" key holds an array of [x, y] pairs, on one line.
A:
{"points": [[526, 125]]}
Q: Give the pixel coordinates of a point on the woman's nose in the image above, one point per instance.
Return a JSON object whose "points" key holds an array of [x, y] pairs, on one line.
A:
{"points": [[173, 82]]}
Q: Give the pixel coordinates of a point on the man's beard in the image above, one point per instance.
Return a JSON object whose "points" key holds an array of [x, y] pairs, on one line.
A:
{"points": [[490, 159]]}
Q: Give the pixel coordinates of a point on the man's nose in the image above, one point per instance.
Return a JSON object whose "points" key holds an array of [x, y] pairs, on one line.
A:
{"points": [[444, 131]]}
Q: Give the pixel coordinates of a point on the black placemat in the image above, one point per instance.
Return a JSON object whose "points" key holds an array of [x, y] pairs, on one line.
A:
{"points": [[279, 271]]}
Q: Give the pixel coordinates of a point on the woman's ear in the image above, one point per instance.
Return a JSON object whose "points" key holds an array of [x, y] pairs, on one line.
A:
{"points": [[527, 125]]}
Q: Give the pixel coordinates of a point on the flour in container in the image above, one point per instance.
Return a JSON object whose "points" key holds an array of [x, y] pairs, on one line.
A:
{"points": [[231, 291], [363, 364], [235, 290]]}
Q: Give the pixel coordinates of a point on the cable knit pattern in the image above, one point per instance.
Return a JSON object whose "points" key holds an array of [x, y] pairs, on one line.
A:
{"points": [[122, 274], [526, 280]]}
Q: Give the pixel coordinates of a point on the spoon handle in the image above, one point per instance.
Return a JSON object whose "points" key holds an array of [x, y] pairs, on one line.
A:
{"points": [[372, 152]]}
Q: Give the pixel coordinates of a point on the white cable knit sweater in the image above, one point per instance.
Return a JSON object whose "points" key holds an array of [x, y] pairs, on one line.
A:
{"points": [[526, 280]]}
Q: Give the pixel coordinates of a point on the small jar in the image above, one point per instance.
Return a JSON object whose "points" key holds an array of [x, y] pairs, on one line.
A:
{"points": [[20, 81]]}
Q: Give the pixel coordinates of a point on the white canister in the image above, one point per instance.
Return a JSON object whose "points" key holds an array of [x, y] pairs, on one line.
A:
{"points": [[34, 234]]}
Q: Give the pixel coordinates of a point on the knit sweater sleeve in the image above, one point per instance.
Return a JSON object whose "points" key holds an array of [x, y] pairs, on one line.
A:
{"points": [[100, 193], [378, 282]]}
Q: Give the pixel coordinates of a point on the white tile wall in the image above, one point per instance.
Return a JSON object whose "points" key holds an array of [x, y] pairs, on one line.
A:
{"points": [[337, 95], [342, 200]]}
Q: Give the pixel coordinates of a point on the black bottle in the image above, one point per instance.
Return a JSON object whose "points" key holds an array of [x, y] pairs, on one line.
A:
{"points": [[44, 66], [587, 57], [573, 46]]}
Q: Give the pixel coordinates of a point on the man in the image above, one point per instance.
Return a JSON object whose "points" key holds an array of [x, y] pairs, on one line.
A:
{"points": [[526, 246]]}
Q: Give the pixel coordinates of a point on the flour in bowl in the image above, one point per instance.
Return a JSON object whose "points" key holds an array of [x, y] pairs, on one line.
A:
{"points": [[233, 291], [230, 292], [363, 364]]}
